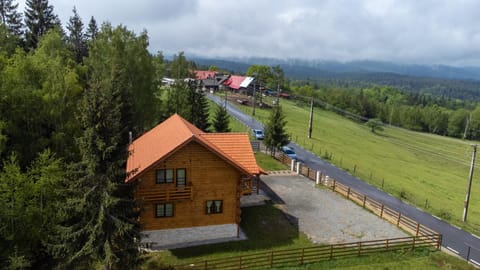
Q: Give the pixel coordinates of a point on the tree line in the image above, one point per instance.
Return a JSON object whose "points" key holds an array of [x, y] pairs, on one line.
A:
{"points": [[68, 100], [414, 111]]}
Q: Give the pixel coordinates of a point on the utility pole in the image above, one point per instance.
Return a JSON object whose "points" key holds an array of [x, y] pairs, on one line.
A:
{"points": [[254, 101], [225, 103], [310, 122], [466, 126], [469, 187]]}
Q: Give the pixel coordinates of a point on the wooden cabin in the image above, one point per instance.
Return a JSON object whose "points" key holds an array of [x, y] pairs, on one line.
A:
{"points": [[189, 183]]}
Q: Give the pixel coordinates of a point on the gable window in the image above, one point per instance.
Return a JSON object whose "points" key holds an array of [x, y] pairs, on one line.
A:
{"points": [[164, 210], [164, 176], [214, 207], [181, 177]]}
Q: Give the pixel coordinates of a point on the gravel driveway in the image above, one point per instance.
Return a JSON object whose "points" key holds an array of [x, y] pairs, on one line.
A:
{"points": [[325, 216]]}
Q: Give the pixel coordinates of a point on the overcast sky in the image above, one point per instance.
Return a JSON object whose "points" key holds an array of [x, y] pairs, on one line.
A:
{"points": [[405, 31]]}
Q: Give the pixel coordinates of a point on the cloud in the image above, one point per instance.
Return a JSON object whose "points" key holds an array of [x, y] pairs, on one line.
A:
{"points": [[409, 31]]}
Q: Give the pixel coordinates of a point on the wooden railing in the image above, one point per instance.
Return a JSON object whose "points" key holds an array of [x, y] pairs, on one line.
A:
{"points": [[166, 195], [246, 186], [366, 202], [300, 256]]}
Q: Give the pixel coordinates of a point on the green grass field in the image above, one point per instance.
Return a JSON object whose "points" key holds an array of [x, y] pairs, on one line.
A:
{"points": [[429, 171]]}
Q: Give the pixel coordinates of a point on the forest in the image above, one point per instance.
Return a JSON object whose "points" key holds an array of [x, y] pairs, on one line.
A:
{"points": [[68, 100]]}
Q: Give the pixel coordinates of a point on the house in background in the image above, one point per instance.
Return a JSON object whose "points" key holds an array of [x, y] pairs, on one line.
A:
{"points": [[189, 183], [241, 84], [210, 80]]}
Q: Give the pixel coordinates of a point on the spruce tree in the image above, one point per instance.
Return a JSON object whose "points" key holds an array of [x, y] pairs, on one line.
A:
{"points": [[275, 133], [92, 29], [199, 107], [103, 223], [221, 120], [11, 18], [76, 37], [39, 18]]}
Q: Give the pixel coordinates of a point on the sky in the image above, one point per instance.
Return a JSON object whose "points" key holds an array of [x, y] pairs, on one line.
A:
{"points": [[402, 31]]}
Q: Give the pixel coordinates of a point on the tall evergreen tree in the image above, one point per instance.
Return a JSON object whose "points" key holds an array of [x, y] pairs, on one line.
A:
{"points": [[221, 120], [103, 223], [199, 108], [275, 133], [92, 29], [76, 37], [39, 18], [11, 18]]}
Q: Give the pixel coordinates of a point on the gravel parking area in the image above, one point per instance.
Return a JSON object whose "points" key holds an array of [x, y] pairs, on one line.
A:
{"points": [[326, 217]]}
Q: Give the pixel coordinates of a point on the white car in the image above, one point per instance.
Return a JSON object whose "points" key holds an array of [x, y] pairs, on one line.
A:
{"points": [[258, 133]]}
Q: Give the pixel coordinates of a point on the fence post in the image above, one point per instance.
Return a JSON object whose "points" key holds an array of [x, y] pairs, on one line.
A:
{"points": [[240, 263], [359, 248], [468, 254], [292, 165], [331, 252], [334, 183], [317, 178], [303, 255], [206, 264], [271, 260], [413, 244], [364, 200], [418, 229], [348, 193], [298, 167], [399, 217], [308, 172], [381, 211], [439, 241], [387, 245]]}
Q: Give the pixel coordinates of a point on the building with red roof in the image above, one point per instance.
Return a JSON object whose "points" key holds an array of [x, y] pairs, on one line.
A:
{"points": [[189, 183]]}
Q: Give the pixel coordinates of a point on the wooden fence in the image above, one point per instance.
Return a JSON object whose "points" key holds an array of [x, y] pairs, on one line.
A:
{"points": [[300, 256], [366, 202]]}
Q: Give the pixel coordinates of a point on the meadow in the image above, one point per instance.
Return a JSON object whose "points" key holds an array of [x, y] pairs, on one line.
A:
{"points": [[429, 171]]}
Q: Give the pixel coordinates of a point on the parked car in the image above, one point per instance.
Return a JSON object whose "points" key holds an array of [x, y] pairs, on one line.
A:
{"points": [[289, 152], [258, 133]]}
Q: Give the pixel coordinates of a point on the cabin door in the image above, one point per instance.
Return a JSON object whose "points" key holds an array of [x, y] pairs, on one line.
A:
{"points": [[181, 177]]}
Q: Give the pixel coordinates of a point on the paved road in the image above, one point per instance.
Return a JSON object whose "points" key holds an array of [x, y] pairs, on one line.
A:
{"points": [[454, 239]]}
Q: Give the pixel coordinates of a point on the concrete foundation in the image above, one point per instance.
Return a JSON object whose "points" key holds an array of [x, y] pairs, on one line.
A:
{"points": [[193, 236]]}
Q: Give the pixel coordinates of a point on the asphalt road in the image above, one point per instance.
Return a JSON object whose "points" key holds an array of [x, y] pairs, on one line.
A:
{"points": [[454, 239]]}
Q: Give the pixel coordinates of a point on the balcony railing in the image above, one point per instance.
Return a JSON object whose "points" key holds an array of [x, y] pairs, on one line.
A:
{"points": [[166, 195], [246, 186]]}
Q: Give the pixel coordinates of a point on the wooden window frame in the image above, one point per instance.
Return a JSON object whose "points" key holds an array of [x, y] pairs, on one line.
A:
{"points": [[207, 207], [164, 205], [176, 176], [165, 180]]}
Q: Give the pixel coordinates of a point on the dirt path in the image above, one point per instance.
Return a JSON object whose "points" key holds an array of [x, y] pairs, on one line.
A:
{"points": [[326, 217]]}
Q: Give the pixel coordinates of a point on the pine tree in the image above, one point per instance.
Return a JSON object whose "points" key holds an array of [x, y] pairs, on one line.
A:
{"points": [[76, 37], [11, 18], [221, 120], [103, 222], [39, 18], [199, 108], [275, 134], [92, 29]]}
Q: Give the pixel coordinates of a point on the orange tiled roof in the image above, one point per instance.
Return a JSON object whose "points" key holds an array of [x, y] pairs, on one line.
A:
{"points": [[176, 132]]}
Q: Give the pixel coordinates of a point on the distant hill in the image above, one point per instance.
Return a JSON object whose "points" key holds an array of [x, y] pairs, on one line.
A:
{"points": [[439, 80]]}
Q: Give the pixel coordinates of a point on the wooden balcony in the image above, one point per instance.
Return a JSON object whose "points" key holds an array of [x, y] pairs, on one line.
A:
{"points": [[246, 186], [166, 195]]}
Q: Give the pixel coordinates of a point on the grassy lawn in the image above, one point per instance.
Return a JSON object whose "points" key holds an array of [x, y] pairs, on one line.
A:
{"points": [[268, 163], [265, 226], [427, 170], [418, 260]]}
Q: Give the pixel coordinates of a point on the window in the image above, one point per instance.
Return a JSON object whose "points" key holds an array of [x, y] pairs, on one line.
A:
{"points": [[164, 176], [181, 177], [214, 207], [164, 210]]}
